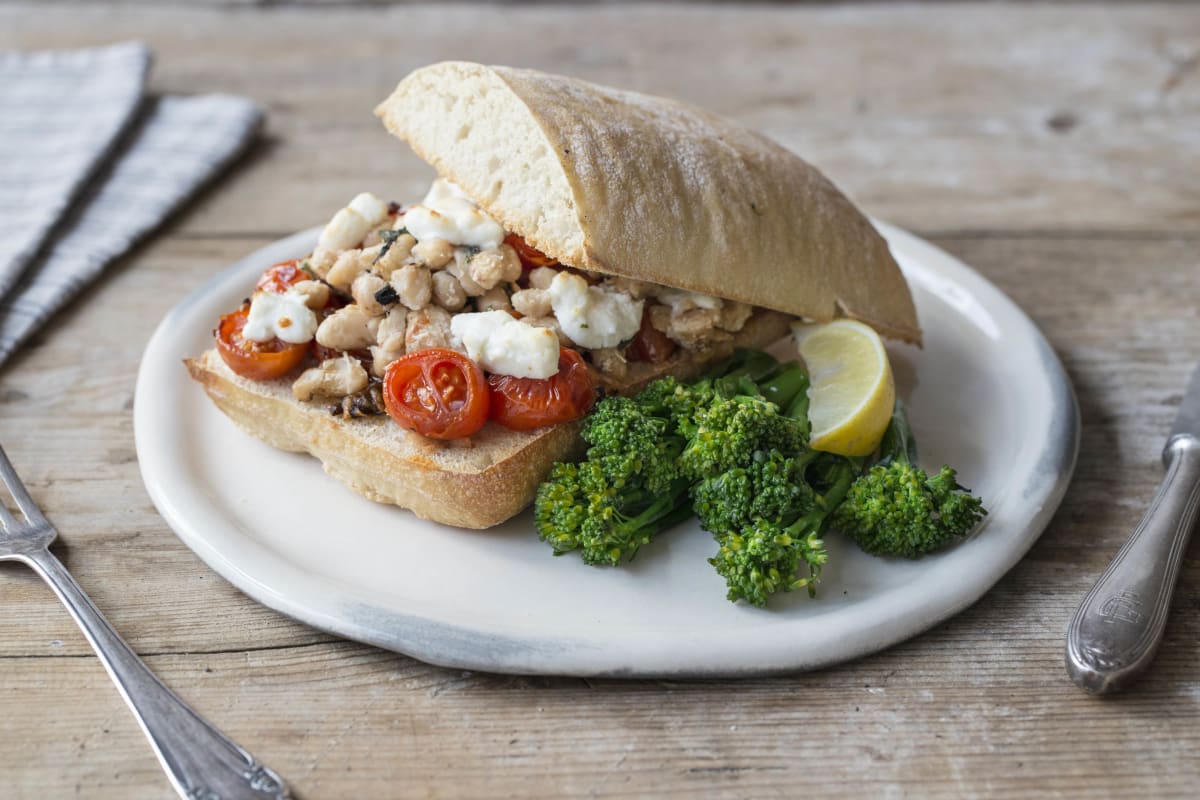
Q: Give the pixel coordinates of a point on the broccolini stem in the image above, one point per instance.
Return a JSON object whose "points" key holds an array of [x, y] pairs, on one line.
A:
{"points": [[797, 409], [782, 389], [752, 364], [898, 443], [666, 510], [813, 521]]}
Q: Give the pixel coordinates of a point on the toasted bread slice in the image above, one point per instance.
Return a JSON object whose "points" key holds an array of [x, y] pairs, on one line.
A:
{"points": [[471, 483], [651, 189]]}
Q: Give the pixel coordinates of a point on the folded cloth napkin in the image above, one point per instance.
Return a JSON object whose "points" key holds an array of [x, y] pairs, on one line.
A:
{"points": [[78, 187]]}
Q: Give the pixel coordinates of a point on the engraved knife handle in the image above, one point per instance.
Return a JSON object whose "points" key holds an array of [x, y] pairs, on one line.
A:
{"points": [[1116, 630]]}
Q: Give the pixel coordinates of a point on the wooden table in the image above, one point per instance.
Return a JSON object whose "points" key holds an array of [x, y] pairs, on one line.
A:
{"points": [[1057, 150]]}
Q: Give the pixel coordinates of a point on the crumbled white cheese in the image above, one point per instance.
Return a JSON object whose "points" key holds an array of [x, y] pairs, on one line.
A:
{"points": [[350, 225], [447, 213], [591, 316], [369, 207], [681, 300], [506, 346], [286, 316]]}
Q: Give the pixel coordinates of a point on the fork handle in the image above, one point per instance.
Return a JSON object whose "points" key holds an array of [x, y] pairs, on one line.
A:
{"points": [[202, 763], [1118, 626]]}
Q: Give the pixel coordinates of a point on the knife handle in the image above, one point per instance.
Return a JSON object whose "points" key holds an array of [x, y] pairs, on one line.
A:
{"points": [[1116, 631]]}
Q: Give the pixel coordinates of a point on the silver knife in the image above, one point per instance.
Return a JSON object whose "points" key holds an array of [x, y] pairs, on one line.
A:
{"points": [[1115, 633]]}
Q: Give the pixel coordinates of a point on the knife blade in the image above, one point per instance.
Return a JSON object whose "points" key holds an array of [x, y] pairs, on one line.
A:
{"points": [[1115, 633]]}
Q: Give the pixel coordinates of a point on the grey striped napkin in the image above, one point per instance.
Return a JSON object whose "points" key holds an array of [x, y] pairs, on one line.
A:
{"points": [[60, 115], [72, 202]]}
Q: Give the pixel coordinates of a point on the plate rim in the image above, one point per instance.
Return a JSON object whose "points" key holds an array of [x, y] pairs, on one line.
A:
{"points": [[452, 645]]}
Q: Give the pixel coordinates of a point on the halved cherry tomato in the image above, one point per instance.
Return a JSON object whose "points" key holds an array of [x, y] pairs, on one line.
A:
{"points": [[278, 278], [531, 257], [523, 404], [438, 393], [258, 361], [649, 344]]}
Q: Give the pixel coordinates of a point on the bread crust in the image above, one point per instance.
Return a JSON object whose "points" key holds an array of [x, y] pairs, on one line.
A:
{"points": [[474, 483], [651, 189]]}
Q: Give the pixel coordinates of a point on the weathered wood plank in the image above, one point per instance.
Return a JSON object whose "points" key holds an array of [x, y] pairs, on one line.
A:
{"points": [[952, 117], [1055, 149], [373, 724]]}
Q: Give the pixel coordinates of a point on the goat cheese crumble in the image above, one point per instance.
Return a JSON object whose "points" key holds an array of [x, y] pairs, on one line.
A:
{"points": [[506, 346], [448, 213], [592, 316], [286, 316]]}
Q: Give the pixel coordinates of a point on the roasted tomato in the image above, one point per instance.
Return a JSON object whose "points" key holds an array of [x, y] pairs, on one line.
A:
{"points": [[278, 278], [438, 393], [523, 404], [649, 344], [259, 361], [530, 256]]}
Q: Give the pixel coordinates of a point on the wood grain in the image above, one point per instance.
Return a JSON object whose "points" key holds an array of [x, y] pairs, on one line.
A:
{"points": [[1068, 181], [976, 117]]}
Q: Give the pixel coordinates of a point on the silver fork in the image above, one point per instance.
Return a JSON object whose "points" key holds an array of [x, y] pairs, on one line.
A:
{"points": [[201, 762]]}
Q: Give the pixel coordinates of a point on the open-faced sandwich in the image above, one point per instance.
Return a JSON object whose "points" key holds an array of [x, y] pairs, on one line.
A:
{"points": [[579, 241]]}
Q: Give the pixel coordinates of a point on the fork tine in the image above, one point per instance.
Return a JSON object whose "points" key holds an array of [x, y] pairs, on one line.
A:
{"points": [[29, 508]]}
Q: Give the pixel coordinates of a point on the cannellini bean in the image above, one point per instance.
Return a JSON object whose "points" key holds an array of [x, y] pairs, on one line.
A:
{"points": [[433, 253], [734, 315], [634, 288], [493, 300], [388, 350], [542, 277], [394, 322], [610, 361], [348, 328], [396, 254], [551, 323], [336, 377], [315, 293], [429, 327], [345, 269], [448, 292], [532, 302], [363, 291], [512, 263], [320, 263], [351, 224], [458, 268], [413, 285], [492, 267]]}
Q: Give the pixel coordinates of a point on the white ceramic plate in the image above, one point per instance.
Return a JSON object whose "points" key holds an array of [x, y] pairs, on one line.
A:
{"points": [[986, 394]]}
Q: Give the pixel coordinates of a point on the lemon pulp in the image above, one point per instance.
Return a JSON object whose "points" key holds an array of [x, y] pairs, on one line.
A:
{"points": [[853, 392]]}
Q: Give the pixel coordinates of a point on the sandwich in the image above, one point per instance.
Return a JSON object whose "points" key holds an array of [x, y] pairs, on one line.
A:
{"points": [[578, 241]]}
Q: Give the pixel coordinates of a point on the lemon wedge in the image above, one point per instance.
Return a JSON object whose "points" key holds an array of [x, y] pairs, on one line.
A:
{"points": [[853, 392]]}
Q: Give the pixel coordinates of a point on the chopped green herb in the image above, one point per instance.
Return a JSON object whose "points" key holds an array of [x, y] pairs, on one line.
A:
{"points": [[389, 238], [386, 296]]}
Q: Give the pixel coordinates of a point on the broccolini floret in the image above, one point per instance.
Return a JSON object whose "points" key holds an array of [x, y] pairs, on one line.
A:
{"points": [[766, 496], [771, 487], [636, 440], [582, 507], [764, 556], [729, 431], [632, 484], [629, 488], [896, 509]]}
